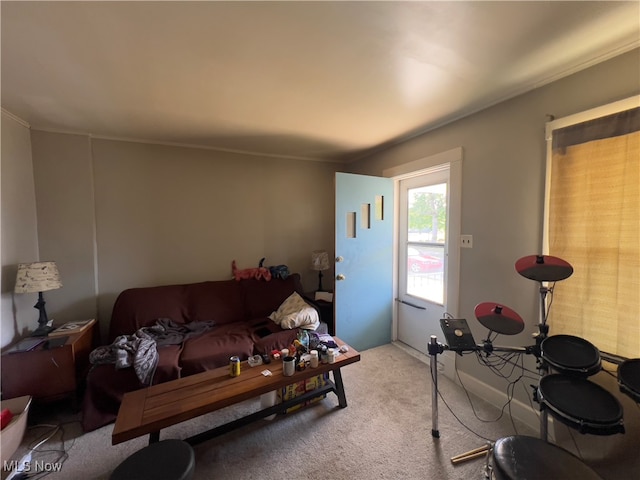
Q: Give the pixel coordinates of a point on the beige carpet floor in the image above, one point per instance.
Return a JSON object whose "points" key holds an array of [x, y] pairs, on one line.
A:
{"points": [[384, 433]]}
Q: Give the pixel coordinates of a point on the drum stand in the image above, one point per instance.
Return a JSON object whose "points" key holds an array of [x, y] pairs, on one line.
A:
{"points": [[543, 330], [543, 268], [540, 268], [434, 348], [502, 320]]}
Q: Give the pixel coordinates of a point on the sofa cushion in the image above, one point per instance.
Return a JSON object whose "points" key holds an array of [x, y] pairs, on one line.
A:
{"points": [[262, 297], [141, 307], [220, 301], [168, 367], [277, 340], [213, 348]]}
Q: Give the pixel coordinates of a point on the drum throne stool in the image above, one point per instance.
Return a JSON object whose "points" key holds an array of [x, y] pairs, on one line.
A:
{"points": [[529, 458], [164, 460]]}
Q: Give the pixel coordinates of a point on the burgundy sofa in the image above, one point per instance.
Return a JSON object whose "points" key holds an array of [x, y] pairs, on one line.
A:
{"points": [[239, 309]]}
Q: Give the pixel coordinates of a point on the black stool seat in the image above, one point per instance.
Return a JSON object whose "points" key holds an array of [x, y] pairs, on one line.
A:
{"points": [[164, 460], [529, 458]]}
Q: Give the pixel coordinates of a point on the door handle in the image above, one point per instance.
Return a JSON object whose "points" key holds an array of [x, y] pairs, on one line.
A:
{"points": [[340, 277], [339, 259], [411, 304]]}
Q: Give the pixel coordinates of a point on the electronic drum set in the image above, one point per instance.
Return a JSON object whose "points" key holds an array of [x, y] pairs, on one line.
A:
{"points": [[564, 391]]}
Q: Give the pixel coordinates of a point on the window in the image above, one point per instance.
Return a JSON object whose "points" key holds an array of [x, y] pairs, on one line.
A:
{"points": [[592, 221], [425, 241]]}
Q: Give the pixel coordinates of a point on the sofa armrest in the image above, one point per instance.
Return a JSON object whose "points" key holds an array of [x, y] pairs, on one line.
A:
{"points": [[325, 312]]}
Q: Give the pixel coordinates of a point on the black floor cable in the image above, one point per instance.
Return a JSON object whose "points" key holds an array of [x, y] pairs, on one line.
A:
{"points": [[433, 382], [497, 367]]}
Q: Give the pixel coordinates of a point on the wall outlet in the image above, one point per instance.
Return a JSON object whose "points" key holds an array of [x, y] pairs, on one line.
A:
{"points": [[466, 241]]}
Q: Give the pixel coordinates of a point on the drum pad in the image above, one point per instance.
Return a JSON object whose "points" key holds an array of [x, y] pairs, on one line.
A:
{"points": [[498, 318]]}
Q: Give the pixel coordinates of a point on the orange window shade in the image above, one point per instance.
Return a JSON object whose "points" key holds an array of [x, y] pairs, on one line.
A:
{"points": [[594, 217]]}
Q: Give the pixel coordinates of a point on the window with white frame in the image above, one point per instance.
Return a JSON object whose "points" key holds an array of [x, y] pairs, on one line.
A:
{"points": [[592, 217]]}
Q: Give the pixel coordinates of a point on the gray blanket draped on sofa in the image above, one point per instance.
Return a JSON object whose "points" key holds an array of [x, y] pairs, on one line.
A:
{"points": [[140, 349]]}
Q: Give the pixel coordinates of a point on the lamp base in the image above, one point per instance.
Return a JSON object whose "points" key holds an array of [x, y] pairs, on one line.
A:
{"points": [[42, 331], [320, 281], [43, 321]]}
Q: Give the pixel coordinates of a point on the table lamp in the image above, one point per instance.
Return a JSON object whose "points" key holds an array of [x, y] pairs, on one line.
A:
{"points": [[38, 277], [319, 262]]}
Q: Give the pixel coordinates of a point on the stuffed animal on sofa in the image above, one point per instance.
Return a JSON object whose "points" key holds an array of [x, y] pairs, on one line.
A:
{"points": [[259, 273]]}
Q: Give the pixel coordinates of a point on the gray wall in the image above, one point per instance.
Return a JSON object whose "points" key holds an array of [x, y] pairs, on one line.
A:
{"points": [[503, 173], [63, 180], [19, 229], [116, 215]]}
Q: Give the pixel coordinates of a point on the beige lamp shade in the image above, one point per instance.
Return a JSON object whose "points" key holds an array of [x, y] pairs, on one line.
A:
{"points": [[37, 277], [319, 260]]}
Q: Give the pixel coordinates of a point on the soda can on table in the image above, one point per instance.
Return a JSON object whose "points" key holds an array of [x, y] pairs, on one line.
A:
{"points": [[234, 366]]}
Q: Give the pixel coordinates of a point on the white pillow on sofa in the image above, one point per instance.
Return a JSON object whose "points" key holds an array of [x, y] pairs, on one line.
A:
{"points": [[295, 312]]}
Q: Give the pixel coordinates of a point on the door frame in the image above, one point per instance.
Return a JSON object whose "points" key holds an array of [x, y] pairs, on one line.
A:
{"points": [[415, 168]]}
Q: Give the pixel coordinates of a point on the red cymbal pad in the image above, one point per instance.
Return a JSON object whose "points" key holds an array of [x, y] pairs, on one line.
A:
{"points": [[544, 268], [498, 318]]}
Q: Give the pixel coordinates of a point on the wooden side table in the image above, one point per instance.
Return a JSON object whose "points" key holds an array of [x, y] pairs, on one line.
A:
{"points": [[48, 373]]}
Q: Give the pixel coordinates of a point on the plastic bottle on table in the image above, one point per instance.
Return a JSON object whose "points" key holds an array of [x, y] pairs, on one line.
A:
{"points": [[303, 338]]}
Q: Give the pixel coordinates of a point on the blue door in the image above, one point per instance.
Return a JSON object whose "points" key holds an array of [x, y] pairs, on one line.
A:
{"points": [[364, 260]]}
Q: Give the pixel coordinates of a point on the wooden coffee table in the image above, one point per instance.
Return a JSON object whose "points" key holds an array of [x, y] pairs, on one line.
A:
{"points": [[149, 410]]}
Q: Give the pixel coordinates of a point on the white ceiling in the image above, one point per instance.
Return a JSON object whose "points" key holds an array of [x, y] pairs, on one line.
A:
{"points": [[313, 80]]}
